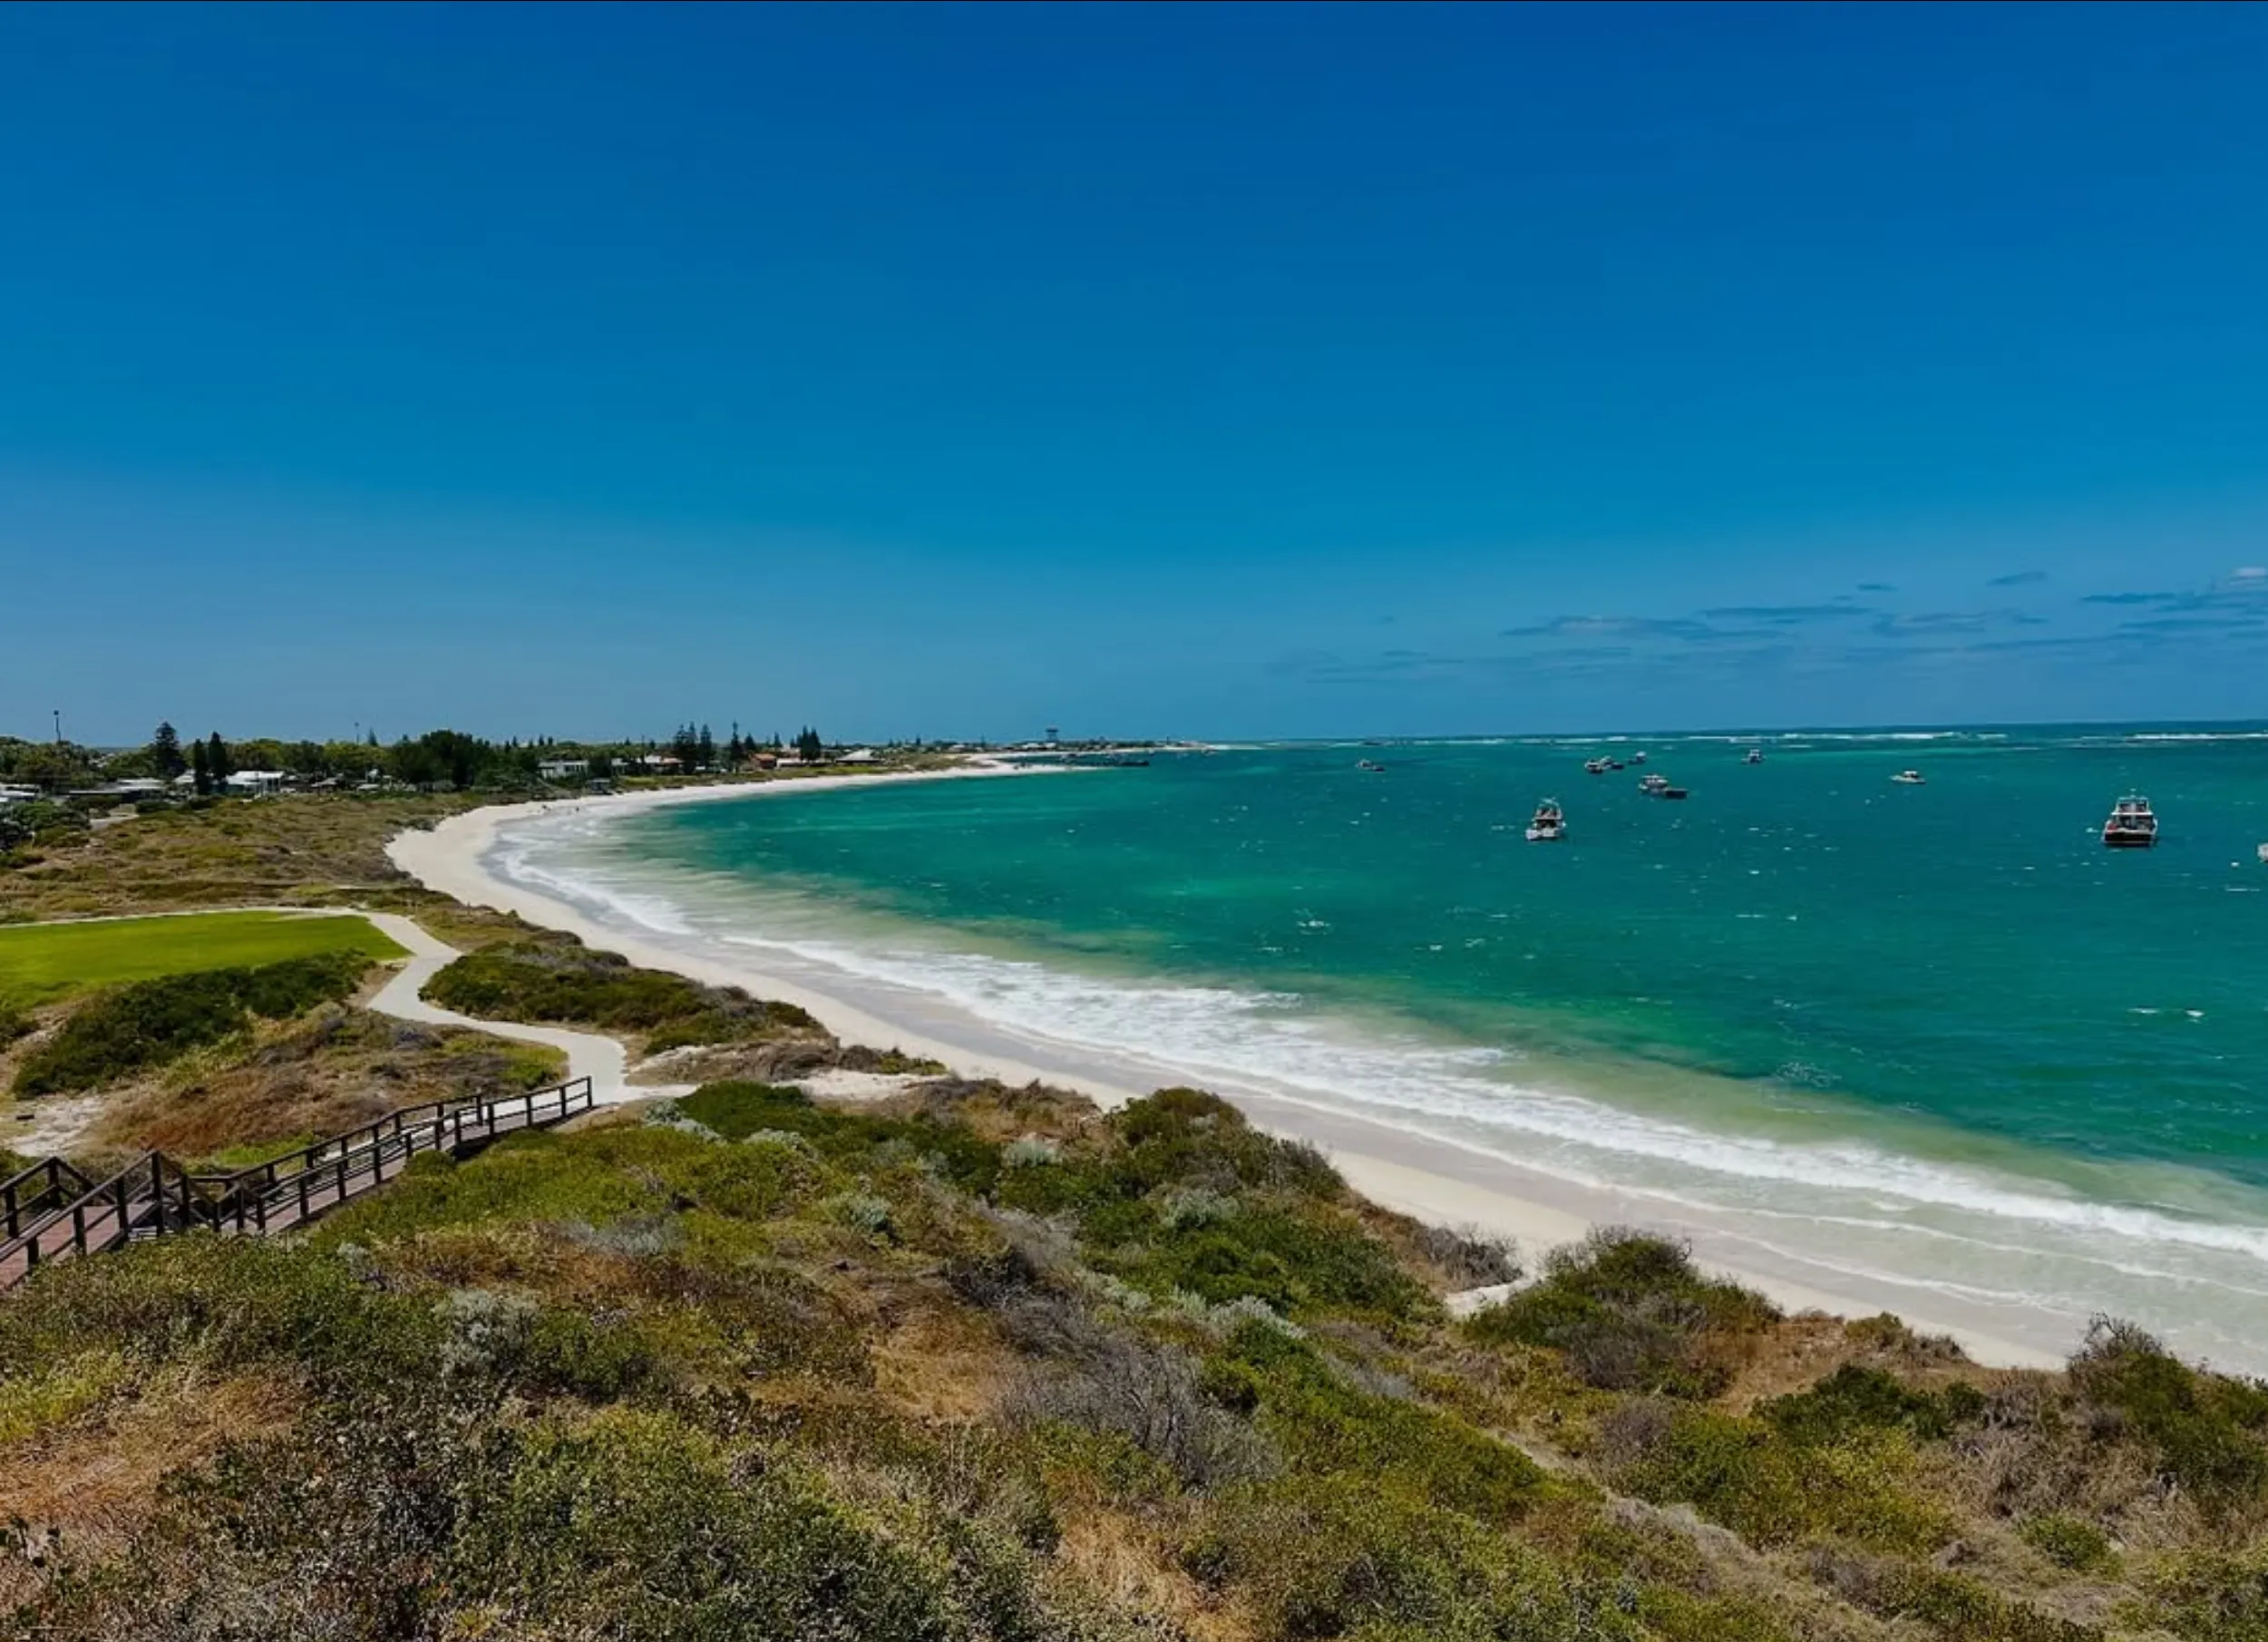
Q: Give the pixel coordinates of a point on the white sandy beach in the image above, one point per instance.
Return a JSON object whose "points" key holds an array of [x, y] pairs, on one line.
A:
{"points": [[1417, 1174]]}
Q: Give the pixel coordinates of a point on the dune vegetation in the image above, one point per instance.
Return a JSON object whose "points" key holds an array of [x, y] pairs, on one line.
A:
{"points": [[986, 1363]]}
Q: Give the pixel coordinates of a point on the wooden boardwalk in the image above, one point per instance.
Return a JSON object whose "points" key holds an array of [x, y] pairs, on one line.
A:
{"points": [[51, 1212]]}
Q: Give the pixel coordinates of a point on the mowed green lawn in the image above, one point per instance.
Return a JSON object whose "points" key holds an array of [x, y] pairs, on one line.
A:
{"points": [[40, 963]]}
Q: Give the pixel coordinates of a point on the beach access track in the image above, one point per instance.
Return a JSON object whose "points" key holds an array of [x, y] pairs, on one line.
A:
{"points": [[51, 1211]]}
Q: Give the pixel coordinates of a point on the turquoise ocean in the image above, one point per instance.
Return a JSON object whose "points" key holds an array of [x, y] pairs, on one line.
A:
{"points": [[1934, 1041]]}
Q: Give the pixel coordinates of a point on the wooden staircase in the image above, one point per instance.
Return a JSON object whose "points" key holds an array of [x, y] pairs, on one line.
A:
{"points": [[53, 1212]]}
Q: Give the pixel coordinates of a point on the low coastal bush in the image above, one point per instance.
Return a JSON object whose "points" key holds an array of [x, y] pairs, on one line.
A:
{"points": [[737, 1110], [2207, 1430], [132, 1028], [1631, 1313], [790, 1369], [2071, 1543], [2208, 1596], [1855, 1399], [1743, 1473], [551, 981], [1336, 1556]]}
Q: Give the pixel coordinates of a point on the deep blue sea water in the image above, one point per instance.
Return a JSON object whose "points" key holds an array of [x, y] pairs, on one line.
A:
{"points": [[1937, 1034]]}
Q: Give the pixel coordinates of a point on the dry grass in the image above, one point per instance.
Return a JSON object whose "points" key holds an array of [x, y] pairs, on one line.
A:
{"points": [[1122, 1560], [327, 1071], [97, 1477], [943, 1363], [313, 850]]}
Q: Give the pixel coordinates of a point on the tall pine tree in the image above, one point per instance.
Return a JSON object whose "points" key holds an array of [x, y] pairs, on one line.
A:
{"points": [[165, 752], [217, 763], [199, 769]]}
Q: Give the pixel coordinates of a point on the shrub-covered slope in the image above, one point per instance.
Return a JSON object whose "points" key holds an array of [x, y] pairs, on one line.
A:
{"points": [[989, 1364]]}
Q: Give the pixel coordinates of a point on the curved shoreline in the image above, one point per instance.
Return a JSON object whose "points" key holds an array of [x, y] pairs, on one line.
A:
{"points": [[1429, 1177]]}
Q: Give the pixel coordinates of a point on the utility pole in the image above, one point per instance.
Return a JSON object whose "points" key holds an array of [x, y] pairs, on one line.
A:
{"points": [[59, 727]]}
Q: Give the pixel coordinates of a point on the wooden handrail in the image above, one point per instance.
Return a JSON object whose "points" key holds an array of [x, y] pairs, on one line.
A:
{"points": [[27, 1192], [174, 1200]]}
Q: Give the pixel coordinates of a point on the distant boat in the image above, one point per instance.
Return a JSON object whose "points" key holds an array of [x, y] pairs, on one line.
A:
{"points": [[1371, 764], [1908, 778], [1672, 793], [1755, 755], [1594, 766], [2133, 824], [1638, 758], [1652, 785], [1549, 825], [2264, 855]]}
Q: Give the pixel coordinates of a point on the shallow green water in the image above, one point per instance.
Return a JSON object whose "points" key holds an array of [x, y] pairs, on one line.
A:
{"points": [[1941, 1015]]}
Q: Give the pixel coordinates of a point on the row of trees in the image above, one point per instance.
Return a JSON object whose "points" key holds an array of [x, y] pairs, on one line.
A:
{"points": [[696, 748], [438, 758]]}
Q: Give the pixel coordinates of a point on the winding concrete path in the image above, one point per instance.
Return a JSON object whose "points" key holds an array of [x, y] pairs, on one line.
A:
{"points": [[603, 1060]]}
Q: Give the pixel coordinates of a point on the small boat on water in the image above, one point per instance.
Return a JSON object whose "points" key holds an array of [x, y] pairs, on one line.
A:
{"points": [[1549, 825], [1755, 755], [1372, 765], [1672, 792], [2264, 855], [2133, 824], [1638, 758], [1909, 778], [1657, 786], [1594, 766]]}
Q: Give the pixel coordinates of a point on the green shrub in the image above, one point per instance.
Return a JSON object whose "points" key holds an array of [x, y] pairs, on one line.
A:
{"points": [[1631, 1313], [2205, 1428], [633, 1525], [221, 1302], [1338, 1556], [147, 1023], [2209, 1596], [2071, 1543], [1954, 1606], [1294, 1259], [1745, 1475], [546, 981], [1187, 1136], [739, 1110], [1322, 1424], [1855, 1399]]}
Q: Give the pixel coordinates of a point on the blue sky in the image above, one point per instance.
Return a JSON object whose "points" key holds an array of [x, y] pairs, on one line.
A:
{"points": [[1154, 370]]}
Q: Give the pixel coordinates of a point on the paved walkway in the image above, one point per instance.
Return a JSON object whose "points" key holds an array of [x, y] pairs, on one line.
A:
{"points": [[602, 1060]]}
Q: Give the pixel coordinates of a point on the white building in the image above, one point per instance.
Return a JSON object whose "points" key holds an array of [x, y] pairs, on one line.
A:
{"points": [[563, 769], [257, 783]]}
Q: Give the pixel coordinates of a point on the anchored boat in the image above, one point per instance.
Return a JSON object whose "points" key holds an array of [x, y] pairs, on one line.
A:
{"points": [[2133, 824], [1549, 825]]}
